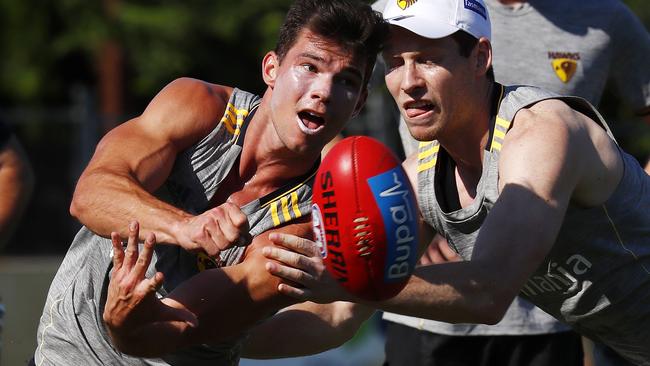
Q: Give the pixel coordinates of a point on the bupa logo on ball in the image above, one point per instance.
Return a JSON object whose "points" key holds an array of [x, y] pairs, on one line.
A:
{"points": [[319, 230], [396, 202]]}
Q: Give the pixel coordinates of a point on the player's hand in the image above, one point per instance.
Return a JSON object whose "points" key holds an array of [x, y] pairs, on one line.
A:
{"points": [[301, 265], [131, 303], [130, 294], [215, 230], [438, 251]]}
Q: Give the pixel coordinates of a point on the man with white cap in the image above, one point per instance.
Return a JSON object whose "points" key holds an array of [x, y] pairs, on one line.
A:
{"points": [[525, 336], [527, 186]]}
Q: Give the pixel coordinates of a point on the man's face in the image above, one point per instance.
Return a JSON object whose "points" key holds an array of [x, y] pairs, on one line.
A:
{"points": [[316, 88], [428, 78]]}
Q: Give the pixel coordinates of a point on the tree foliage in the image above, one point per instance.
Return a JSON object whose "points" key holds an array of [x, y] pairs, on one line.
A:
{"points": [[49, 45]]}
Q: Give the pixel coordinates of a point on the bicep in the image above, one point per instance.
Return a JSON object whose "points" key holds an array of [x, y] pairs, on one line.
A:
{"points": [[145, 147], [131, 150]]}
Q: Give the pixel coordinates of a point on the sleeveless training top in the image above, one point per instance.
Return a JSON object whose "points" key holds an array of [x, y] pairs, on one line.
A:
{"points": [[71, 330], [596, 277]]}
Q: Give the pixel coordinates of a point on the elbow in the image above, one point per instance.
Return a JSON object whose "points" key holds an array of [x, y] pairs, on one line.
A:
{"points": [[81, 202], [347, 319], [77, 205]]}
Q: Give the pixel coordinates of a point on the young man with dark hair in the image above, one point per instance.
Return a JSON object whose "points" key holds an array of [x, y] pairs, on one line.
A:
{"points": [[209, 171], [528, 187]]}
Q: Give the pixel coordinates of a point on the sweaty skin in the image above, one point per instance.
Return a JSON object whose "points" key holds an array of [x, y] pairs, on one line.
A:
{"points": [[317, 81]]}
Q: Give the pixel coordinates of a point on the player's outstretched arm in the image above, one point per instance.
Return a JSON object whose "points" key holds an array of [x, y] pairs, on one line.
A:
{"points": [[447, 291], [134, 159], [212, 306], [305, 329], [551, 157]]}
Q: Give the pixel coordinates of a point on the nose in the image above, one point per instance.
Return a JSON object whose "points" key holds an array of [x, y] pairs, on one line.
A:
{"points": [[411, 78], [321, 88]]}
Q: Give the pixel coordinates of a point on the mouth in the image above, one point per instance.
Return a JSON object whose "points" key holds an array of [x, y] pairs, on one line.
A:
{"points": [[417, 108], [310, 123]]}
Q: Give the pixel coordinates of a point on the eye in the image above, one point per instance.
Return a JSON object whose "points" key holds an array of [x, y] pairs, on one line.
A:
{"points": [[309, 67], [429, 60], [393, 63]]}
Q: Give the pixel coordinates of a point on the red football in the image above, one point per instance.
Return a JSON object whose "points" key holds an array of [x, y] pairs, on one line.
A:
{"points": [[365, 219]]}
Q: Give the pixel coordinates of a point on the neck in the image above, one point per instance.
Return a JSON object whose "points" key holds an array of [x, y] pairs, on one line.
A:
{"points": [[468, 142], [265, 158]]}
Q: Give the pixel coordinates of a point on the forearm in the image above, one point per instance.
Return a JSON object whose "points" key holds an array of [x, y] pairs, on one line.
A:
{"points": [[321, 327], [222, 303], [167, 328], [107, 202], [458, 292]]}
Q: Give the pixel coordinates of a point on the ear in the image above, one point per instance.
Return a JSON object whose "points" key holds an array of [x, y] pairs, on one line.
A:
{"points": [[483, 56], [270, 65]]}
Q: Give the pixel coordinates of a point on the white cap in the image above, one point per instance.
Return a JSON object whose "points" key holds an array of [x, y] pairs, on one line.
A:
{"points": [[439, 18]]}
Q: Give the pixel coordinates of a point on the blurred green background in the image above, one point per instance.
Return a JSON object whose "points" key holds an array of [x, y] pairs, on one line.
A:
{"points": [[73, 69]]}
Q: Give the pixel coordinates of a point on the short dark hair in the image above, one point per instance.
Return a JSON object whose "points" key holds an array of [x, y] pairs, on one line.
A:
{"points": [[350, 23], [466, 43]]}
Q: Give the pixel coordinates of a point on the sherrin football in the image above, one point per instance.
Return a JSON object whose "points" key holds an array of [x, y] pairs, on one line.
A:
{"points": [[364, 218]]}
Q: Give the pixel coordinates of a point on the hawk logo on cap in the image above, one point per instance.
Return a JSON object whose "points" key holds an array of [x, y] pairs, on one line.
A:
{"points": [[564, 64], [403, 4]]}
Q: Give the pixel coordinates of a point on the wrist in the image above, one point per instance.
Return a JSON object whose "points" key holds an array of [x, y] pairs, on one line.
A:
{"points": [[176, 232]]}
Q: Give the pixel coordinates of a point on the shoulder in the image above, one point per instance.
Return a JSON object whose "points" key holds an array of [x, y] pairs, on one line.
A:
{"points": [[552, 125], [185, 109], [546, 116], [543, 136], [188, 98]]}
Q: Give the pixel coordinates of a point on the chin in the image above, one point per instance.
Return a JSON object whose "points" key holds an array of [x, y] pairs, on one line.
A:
{"points": [[422, 134]]}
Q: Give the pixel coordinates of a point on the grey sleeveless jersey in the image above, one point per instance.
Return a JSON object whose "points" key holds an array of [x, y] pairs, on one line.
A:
{"points": [[596, 277], [71, 330]]}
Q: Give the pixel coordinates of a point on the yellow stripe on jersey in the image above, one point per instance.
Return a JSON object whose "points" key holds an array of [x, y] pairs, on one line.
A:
{"points": [[294, 204], [233, 118], [428, 165], [496, 146], [500, 134], [274, 213], [503, 123], [500, 129], [225, 120], [285, 208], [426, 153]]}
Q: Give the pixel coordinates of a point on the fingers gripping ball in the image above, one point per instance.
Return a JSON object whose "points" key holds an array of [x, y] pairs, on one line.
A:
{"points": [[364, 218]]}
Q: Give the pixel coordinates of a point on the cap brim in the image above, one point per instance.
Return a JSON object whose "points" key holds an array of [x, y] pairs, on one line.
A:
{"points": [[423, 27]]}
